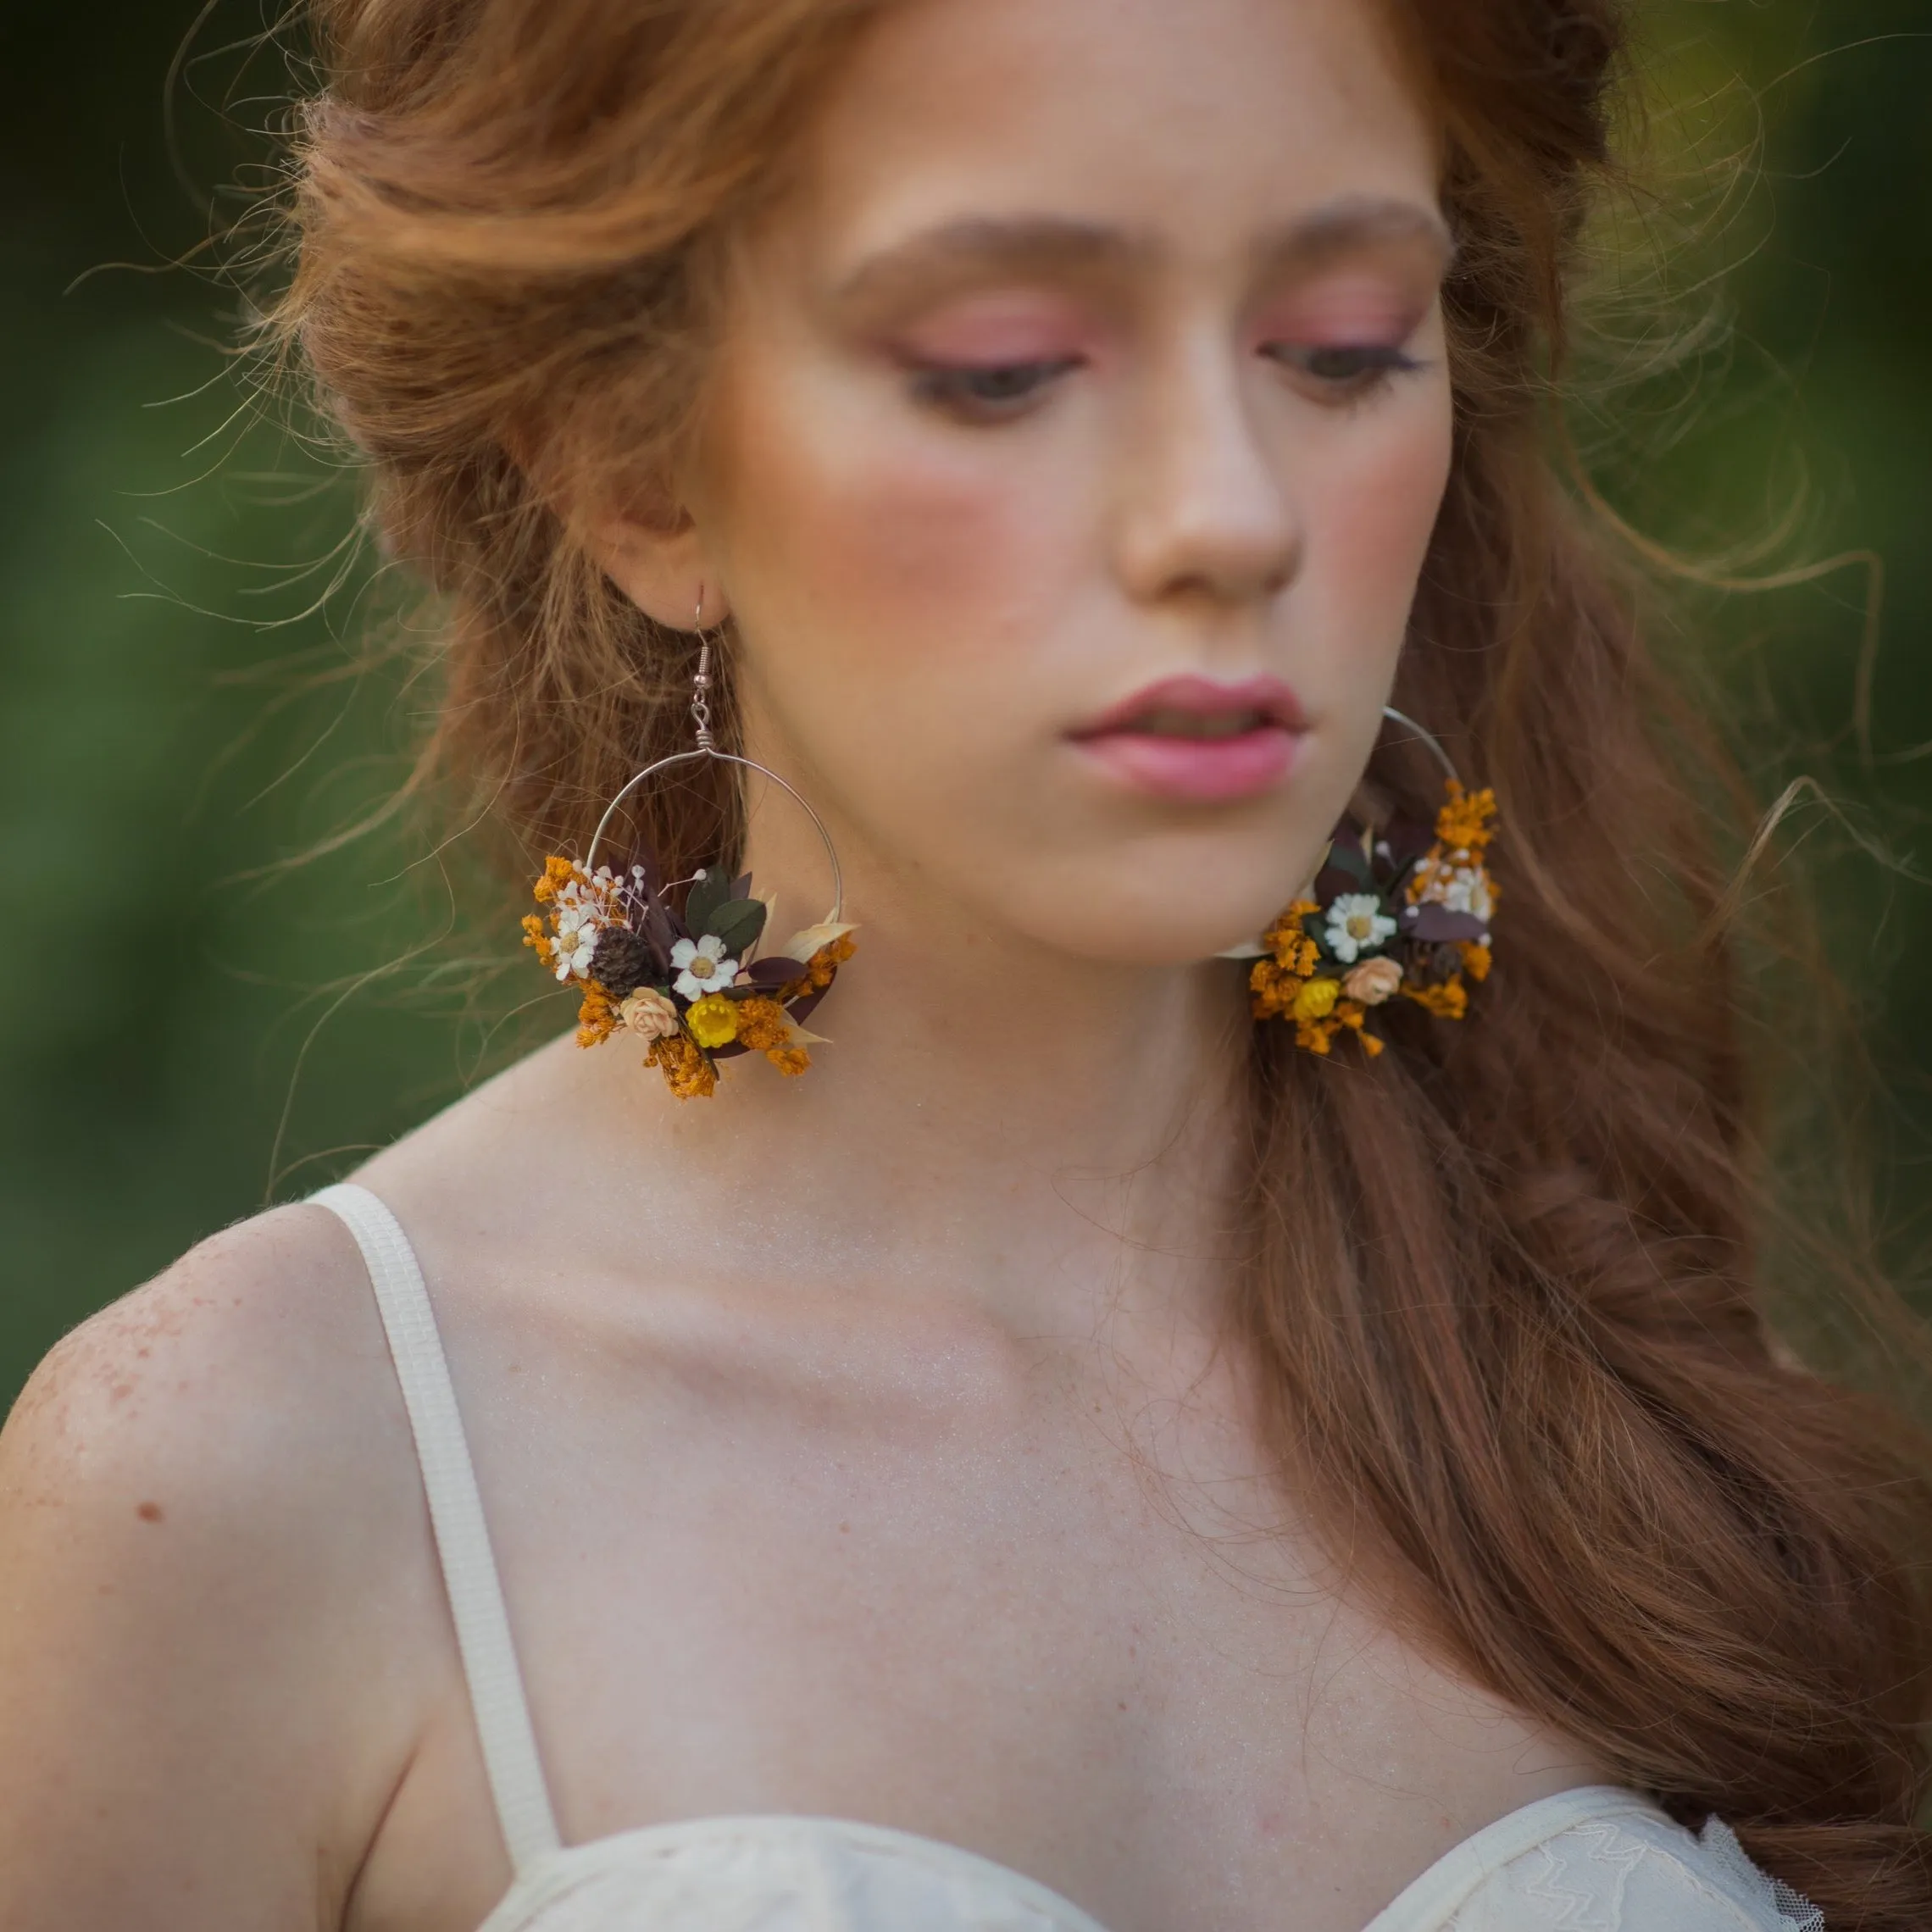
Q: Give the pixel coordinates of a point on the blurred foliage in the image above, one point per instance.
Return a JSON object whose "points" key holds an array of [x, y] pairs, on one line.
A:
{"points": [[190, 1025]]}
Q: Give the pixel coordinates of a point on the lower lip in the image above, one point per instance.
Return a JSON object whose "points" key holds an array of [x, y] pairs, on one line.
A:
{"points": [[1201, 770]]}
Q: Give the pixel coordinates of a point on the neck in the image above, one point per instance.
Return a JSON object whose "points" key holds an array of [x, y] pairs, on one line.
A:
{"points": [[988, 1111]]}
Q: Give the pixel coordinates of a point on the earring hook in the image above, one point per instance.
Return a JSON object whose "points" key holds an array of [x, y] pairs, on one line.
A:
{"points": [[706, 748], [701, 683]]}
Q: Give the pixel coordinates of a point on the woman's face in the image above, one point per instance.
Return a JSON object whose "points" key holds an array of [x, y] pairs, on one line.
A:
{"points": [[1081, 424]]}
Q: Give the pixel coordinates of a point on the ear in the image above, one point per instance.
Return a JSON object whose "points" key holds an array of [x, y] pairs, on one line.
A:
{"points": [[663, 571]]}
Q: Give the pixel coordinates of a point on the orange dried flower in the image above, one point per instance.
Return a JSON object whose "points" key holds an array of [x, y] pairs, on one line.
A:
{"points": [[1449, 1000], [1476, 959], [821, 969], [557, 872], [761, 1025], [1316, 1036], [1319, 1035], [537, 937], [686, 1072], [1464, 824], [596, 1019], [1294, 950], [822, 966], [1274, 989]]}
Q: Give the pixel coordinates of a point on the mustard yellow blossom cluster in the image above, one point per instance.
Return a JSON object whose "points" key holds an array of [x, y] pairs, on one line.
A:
{"points": [[1391, 913], [683, 981]]}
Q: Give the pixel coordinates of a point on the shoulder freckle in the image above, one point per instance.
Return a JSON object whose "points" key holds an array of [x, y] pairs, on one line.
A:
{"points": [[223, 1370]]}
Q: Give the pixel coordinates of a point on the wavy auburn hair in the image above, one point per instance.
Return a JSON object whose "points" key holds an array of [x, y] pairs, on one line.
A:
{"points": [[1503, 1283]]}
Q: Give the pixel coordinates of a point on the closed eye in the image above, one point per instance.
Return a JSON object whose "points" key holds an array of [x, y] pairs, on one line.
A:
{"points": [[990, 392], [1346, 369]]}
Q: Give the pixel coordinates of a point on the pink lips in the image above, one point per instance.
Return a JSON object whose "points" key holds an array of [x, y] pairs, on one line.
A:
{"points": [[1191, 738]]}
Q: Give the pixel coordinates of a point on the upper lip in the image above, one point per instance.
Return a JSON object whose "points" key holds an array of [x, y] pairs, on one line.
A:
{"points": [[1271, 701]]}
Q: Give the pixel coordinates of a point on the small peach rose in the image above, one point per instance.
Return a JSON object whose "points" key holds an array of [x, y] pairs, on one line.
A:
{"points": [[1373, 981], [649, 1014]]}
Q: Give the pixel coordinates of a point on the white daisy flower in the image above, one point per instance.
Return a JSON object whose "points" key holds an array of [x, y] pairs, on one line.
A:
{"points": [[1356, 925], [576, 944], [701, 967]]}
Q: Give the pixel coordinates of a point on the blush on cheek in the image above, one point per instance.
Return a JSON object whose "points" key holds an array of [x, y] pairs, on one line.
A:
{"points": [[903, 549], [1378, 507]]}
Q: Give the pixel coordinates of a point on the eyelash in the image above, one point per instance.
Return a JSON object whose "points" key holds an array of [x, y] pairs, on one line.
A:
{"points": [[1374, 365], [997, 392], [1010, 388]]}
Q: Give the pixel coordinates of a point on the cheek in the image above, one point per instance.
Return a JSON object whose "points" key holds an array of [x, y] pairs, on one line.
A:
{"points": [[883, 550], [1369, 523]]}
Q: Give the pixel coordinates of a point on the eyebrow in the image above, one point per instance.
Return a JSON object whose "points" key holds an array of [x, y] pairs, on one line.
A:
{"points": [[963, 251]]}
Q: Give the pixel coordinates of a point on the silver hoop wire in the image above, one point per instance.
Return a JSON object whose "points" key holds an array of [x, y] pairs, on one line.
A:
{"points": [[837, 913], [1428, 737], [707, 748]]}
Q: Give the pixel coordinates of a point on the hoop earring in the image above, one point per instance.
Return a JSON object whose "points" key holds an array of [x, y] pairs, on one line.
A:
{"points": [[1402, 911], [689, 982]]}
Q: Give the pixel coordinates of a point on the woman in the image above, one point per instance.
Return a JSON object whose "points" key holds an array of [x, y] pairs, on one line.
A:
{"points": [[1244, 1445]]}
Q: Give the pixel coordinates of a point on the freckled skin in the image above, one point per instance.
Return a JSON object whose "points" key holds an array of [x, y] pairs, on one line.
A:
{"points": [[866, 1445]]}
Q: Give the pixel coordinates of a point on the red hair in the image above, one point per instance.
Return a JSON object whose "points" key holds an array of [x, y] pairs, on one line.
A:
{"points": [[1504, 1290]]}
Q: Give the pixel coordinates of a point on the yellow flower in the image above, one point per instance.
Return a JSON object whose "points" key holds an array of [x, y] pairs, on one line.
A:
{"points": [[1316, 1000], [714, 1021], [1476, 960]]}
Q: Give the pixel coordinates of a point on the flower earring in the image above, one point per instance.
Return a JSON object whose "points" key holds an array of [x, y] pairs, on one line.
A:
{"points": [[686, 977], [1399, 912]]}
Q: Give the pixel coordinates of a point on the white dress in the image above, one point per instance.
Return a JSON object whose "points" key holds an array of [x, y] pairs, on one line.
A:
{"points": [[1596, 1859]]}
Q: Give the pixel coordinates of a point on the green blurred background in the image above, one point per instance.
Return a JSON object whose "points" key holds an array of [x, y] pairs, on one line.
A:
{"points": [[190, 1025]]}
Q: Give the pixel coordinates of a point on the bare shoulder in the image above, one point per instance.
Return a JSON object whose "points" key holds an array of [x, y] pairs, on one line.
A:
{"points": [[208, 1511], [246, 1368]]}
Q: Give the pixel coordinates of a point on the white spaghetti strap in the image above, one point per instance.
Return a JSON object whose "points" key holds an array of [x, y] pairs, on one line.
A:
{"points": [[455, 1514]]}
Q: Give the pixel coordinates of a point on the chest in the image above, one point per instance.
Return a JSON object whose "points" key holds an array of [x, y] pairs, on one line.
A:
{"points": [[1039, 1601]]}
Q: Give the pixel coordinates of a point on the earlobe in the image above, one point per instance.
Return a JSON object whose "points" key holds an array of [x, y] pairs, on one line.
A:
{"points": [[663, 572]]}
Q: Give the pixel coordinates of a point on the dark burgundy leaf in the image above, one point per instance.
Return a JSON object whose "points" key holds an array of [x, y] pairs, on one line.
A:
{"points": [[774, 972], [661, 931], [1406, 840], [1436, 924], [802, 1009]]}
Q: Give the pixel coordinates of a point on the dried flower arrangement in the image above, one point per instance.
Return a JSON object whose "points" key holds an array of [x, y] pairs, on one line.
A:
{"points": [[686, 982], [1394, 913]]}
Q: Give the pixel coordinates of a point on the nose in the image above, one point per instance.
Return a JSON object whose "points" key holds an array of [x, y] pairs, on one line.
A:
{"points": [[1204, 508]]}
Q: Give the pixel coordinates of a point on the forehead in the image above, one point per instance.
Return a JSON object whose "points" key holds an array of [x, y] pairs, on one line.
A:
{"points": [[1199, 122]]}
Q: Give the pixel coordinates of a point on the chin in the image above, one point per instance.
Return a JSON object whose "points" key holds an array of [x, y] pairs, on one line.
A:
{"points": [[1183, 930]]}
